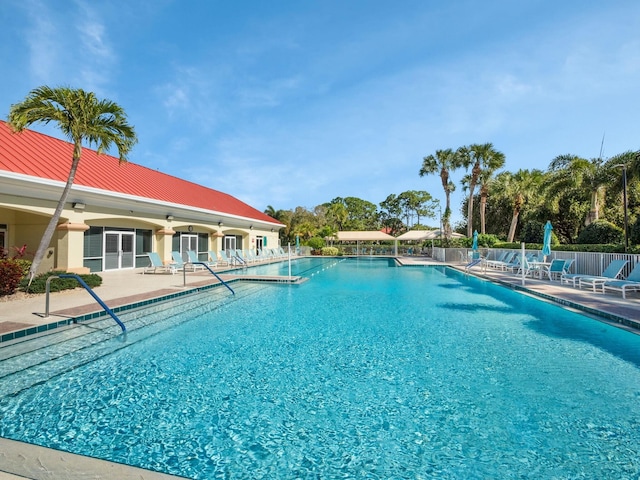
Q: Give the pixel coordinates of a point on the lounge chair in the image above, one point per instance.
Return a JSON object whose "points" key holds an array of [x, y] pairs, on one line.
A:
{"points": [[179, 263], [213, 256], [496, 262], [225, 258], [610, 273], [631, 283], [193, 259], [157, 265]]}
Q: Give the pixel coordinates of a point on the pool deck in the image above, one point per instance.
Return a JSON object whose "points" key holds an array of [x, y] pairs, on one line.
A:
{"points": [[119, 288]]}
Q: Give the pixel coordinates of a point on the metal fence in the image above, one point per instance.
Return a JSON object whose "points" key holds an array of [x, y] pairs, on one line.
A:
{"points": [[588, 263]]}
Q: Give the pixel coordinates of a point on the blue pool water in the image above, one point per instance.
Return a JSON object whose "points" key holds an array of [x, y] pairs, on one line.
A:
{"points": [[365, 371]]}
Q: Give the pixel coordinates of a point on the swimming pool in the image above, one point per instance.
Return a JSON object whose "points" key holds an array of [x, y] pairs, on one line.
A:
{"points": [[365, 371]]}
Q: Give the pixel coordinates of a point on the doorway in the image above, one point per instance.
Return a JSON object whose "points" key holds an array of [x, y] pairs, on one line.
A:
{"points": [[118, 250]]}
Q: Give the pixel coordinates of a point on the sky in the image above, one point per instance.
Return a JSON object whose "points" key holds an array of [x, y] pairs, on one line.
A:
{"points": [[289, 103]]}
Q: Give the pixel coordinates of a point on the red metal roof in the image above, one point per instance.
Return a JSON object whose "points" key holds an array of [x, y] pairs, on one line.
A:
{"points": [[32, 153]]}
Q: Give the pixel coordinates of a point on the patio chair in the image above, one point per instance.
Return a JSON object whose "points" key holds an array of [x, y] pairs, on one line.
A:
{"points": [[157, 265], [193, 258], [213, 256], [556, 269], [610, 273], [502, 261], [226, 259], [179, 263], [631, 283]]}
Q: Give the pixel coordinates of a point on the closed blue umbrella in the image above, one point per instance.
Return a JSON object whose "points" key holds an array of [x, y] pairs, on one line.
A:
{"points": [[474, 247], [546, 243]]}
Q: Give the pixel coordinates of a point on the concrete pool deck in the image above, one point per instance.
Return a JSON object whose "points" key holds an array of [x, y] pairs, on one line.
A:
{"points": [[20, 460]]}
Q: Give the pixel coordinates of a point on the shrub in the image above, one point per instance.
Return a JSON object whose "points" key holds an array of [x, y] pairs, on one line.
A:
{"points": [[634, 232], [329, 251], [11, 272], [40, 281], [316, 243], [601, 231]]}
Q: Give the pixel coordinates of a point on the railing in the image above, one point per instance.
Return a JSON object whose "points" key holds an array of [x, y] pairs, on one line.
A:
{"points": [[87, 288], [216, 275]]}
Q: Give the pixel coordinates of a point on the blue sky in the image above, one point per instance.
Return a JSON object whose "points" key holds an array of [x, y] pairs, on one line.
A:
{"points": [[294, 103]]}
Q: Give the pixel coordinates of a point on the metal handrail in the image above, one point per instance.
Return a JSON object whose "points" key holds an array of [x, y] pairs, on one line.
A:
{"points": [[88, 289], [215, 275]]}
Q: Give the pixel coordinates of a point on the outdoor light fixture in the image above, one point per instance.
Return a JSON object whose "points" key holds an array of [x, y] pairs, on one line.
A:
{"points": [[169, 217], [79, 206], [219, 224], [250, 227]]}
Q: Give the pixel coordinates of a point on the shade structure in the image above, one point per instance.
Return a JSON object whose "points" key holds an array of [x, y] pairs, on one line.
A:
{"points": [[416, 235], [546, 242], [474, 247], [367, 236]]}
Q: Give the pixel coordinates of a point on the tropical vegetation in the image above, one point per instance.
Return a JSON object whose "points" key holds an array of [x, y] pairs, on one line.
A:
{"points": [[84, 119], [583, 198]]}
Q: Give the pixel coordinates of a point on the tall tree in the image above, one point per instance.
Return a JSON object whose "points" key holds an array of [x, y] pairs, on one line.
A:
{"points": [[520, 187], [589, 176], [486, 179], [477, 158], [83, 118], [442, 163]]}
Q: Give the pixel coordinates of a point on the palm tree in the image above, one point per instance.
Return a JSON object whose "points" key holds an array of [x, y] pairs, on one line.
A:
{"points": [[590, 176], [478, 157], [486, 179], [520, 187], [442, 163], [82, 118]]}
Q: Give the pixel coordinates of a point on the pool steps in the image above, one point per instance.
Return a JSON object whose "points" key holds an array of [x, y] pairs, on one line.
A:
{"points": [[64, 349]]}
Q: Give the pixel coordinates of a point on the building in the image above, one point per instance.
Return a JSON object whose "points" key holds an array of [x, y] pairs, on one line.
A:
{"points": [[116, 212]]}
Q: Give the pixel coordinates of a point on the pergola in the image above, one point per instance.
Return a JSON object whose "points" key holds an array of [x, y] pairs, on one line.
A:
{"points": [[366, 236]]}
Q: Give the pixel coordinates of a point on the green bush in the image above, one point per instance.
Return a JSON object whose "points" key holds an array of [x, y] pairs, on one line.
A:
{"points": [[601, 231], [634, 232], [11, 272], [329, 251], [39, 282], [316, 243]]}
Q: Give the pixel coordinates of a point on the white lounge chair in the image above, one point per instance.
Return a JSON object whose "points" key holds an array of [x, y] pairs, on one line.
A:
{"points": [[629, 284], [193, 259], [610, 273], [157, 265], [181, 264], [213, 256]]}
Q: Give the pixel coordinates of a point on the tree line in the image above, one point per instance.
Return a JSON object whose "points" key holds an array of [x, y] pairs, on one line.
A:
{"points": [[573, 193]]}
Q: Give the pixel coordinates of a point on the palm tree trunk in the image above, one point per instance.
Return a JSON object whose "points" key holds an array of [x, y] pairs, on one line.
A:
{"points": [[514, 224], [594, 211], [53, 223], [483, 208], [470, 211]]}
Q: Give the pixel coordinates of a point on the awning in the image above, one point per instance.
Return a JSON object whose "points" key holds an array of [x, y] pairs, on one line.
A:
{"points": [[366, 236]]}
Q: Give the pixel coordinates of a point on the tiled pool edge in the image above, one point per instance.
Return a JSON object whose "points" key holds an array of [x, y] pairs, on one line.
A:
{"points": [[47, 327], [611, 318]]}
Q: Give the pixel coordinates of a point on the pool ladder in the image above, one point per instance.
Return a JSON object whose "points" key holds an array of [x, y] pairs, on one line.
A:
{"points": [[215, 275], [87, 288]]}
